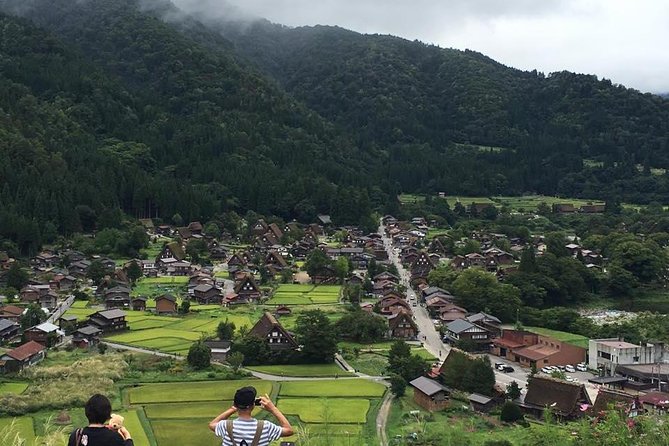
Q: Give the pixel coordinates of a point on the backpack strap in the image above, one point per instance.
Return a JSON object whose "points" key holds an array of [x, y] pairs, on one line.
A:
{"points": [[228, 428], [259, 428], [77, 436]]}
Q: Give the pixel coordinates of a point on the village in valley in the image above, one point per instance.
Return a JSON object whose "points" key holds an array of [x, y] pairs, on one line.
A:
{"points": [[364, 316]]}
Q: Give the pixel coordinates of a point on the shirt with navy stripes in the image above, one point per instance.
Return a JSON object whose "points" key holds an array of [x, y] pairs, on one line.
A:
{"points": [[246, 430]]}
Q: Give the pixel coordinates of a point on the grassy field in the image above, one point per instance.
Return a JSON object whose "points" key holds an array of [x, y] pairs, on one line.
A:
{"points": [[525, 203], [156, 286], [373, 364], [192, 391], [332, 388], [192, 431], [135, 428], [24, 426], [15, 388], [339, 410], [79, 304], [302, 370], [569, 338], [294, 294], [455, 425]]}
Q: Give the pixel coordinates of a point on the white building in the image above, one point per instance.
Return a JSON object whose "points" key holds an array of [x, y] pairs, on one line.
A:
{"points": [[607, 354]]}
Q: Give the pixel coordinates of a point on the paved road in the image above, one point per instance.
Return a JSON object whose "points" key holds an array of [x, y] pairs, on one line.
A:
{"points": [[432, 341], [60, 310]]}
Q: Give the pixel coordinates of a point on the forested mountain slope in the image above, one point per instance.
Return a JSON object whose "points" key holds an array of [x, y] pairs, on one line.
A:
{"points": [[111, 108], [405, 96]]}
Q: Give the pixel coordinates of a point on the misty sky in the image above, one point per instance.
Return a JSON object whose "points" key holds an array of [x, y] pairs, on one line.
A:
{"points": [[623, 40]]}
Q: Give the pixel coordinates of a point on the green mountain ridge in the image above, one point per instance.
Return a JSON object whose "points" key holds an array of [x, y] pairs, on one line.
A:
{"points": [[154, 124], [391, 92], [132, 106]]}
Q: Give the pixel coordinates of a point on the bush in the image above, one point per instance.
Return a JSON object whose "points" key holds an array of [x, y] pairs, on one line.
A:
{"points": [[497, 443], [510, 413]]}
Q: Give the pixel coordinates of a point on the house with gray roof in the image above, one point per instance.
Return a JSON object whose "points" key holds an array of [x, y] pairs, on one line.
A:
{"points": [[429, 394]]}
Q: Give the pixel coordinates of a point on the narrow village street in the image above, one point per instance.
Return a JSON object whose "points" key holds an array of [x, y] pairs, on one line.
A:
{"points": [[429, 335]]}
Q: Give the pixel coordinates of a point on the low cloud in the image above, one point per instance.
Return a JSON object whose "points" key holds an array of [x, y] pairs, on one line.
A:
{"points": [[617, 39]]}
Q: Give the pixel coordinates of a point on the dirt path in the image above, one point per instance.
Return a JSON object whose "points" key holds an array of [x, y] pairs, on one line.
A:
{"points": [[382, 419]]}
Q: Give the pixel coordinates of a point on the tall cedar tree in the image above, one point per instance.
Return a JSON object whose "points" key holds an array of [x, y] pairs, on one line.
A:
{"points": [[316, 333]]}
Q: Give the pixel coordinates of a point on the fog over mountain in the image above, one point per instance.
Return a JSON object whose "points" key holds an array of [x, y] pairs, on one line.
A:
{"points": [[615, 39]]}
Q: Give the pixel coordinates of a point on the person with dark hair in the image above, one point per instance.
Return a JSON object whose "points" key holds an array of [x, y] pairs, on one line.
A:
{"points": [[246, 430], [98, 411]]}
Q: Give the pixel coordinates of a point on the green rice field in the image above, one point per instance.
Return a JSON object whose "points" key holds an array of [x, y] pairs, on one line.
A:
{"points": [[192, 391], [339, 410], [24, 426], [302, 370], [193, 431], [525, 203], [14, 388], [135, 428], [332, 388], [294, 294]]}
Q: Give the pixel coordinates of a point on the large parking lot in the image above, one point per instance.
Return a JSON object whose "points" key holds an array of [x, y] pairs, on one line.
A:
{"points": [[520, 374]]}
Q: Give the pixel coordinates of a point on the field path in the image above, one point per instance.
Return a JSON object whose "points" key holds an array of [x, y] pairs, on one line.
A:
{"points": [[382, 419], [141, 350]]}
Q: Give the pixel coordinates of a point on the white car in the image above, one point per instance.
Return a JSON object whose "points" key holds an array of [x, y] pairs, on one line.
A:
{"points": [[547, 370], [569, 368], [582, 367]]}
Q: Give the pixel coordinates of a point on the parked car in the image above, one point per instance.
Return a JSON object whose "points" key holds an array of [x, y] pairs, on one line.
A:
{"points": [[546, 370], [499, 365], [582, 367], [569, 368], [508, 369]]}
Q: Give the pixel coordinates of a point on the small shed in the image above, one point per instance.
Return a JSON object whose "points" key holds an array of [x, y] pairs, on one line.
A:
{"points": [[482, 403], [139, 303], [429, 394], [283, 310], [219, 349]]}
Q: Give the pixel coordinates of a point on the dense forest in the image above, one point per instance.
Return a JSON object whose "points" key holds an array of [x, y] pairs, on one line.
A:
{"points": [[113, 107], [458, 121]]}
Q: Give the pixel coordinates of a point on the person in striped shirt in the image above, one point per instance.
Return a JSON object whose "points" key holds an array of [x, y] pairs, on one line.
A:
{"points": [[246, 430]]}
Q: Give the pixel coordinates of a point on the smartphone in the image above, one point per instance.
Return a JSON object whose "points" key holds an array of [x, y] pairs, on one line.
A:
{"points": [[257, 402]]}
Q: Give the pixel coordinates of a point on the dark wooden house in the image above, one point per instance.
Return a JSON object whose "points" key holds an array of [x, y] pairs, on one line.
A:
{"points": [[565, 399], [276, 337], [429, 394], [108, 320]]}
